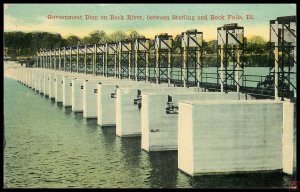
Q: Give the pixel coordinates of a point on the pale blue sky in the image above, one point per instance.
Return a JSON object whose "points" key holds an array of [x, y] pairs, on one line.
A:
{"points": [[33, 17]]}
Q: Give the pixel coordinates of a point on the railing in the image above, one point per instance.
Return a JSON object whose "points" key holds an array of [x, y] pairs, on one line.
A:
{"points": [[176, 78], [253, 79], [257, 85], [206, 77]]}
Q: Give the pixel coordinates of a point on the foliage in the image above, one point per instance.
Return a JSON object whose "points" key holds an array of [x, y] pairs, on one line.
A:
{"points": [[73, 40], [27, 44]]}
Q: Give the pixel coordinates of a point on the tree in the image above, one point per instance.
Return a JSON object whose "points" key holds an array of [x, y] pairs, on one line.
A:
{"points": [[177, 44], [133, 34], [257, 40], [210, 47], [256, 45], [73, 40], [98, 37], [95, 38], [28, 44], [117, 36]]}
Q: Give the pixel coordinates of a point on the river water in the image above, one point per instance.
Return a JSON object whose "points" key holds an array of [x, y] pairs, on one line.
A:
{"points": [[49, 146]]}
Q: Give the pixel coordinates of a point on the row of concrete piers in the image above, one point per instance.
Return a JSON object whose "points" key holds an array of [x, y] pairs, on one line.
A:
{"points": [[214, 132]]}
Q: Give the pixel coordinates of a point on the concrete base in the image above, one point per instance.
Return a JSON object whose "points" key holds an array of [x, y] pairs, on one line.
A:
{"points": [[51, 85], [107, 103], [42, 90], [39, 81], [67, 91], [77, 95], [36, 80], [58, 89], [23, 74], [288, 151], [230, 136], [29, 78], [67, 86], [33, 80], [26, 78], [46, 84], [90, 93], [106, 114], [128, 116], [159, 129]]}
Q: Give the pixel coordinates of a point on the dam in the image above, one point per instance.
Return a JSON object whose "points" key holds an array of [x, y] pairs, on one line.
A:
{"points": [[250, 128]]}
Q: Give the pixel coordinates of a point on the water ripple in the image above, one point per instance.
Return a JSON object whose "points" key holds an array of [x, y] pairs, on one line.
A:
{"points": [[49, 146]]}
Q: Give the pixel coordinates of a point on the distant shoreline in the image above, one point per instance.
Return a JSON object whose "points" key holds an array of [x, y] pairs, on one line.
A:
{"points": [[10, 69]]}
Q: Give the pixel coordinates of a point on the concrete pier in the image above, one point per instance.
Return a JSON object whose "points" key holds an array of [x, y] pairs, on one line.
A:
{"points": [[159, 122], [106, 109], [58, 88], [90, 93], [24, 76], [41, 82], [77, 95], [107, 94], [67, 87], [232, 136], [213, 132], [67, 91], [33, 79], [128, 115], [77, 88], [43, 75], [46, 84], [38, 81], [288, 151], [51, 85], [29, 77]]}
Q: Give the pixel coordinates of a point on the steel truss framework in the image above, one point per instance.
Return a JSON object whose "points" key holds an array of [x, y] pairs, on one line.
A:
{"points": [[99, 59], [130, 59], [124, 59], [110, 69], [283, 37], [89, 56], [191, 57], [68, 60], [57, 59], [163, 58], [141, 59], [230, 48], [79, 59]]}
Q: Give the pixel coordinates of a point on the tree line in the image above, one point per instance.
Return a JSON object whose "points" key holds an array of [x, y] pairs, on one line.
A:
{"points": [[21, 44], [18, 43]]}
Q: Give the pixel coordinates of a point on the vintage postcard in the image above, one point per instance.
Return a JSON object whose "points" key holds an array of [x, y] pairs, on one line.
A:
{"points": [[150, 96]]}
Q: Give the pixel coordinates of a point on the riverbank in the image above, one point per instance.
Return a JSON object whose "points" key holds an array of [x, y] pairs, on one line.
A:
{"points": [[10, 69]]}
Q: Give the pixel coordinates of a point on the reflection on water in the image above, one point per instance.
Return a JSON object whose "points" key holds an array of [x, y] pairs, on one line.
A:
{"points": [[78, 116], [49, 146], [60, 106], [109, 133], [242, 180], [131, 151], [68, 110], [163, 169]]}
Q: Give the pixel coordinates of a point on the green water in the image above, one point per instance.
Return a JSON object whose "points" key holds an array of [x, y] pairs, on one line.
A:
{"points": [[49, 146]]}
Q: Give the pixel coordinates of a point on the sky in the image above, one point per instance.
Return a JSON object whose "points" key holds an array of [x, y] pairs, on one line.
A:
{"points": [[35, 17]]}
